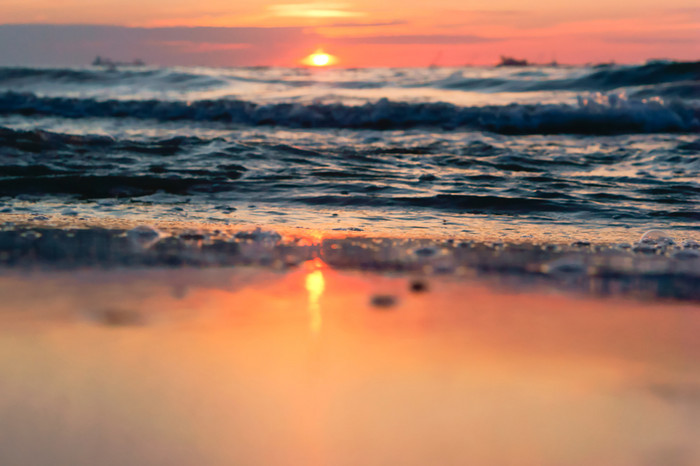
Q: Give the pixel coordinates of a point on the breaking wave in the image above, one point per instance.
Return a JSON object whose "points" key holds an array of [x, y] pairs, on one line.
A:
{"points": [[600, 114], [599, 78]]}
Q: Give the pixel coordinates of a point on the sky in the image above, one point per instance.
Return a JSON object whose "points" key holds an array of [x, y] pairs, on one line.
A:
{"points": [[359, 33]]}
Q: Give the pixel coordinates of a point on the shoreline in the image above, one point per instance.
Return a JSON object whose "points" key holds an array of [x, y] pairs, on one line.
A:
{"points": [[656, 267], [329, 224]]}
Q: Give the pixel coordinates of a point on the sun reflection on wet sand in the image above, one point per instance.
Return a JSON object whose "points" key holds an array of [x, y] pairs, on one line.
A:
{"points": [[315, 284]]}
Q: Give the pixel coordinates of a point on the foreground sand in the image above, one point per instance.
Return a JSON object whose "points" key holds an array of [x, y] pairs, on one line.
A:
{"points": [[246, 366]]}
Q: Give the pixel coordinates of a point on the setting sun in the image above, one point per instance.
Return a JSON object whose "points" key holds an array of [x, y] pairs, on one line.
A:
{"points": [[319, 58]]}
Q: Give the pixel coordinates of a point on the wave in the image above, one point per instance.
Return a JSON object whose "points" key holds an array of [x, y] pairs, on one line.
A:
{"points": [[476, 176], [657, 72], [609, 114], [600, 78], [149, 78], [680, 90], [596, 78], [36, 141], [10, 75], [152, 78]]}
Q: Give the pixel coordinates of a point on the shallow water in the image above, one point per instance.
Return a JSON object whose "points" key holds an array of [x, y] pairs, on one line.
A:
{"points": [[655, 267], [550, 156]]}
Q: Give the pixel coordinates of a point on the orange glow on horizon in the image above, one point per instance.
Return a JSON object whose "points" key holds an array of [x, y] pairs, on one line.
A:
{"points": [[361, 33]]}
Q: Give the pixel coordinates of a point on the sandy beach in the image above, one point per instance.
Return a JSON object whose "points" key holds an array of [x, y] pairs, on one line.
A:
{"points": [[310, 366]]}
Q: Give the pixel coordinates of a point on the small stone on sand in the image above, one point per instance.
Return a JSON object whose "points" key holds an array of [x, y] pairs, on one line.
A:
{"points": [[383, 300], [418, 286]]}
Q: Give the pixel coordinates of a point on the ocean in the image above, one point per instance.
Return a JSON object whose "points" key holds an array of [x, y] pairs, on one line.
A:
{"points": [[545, 156]]}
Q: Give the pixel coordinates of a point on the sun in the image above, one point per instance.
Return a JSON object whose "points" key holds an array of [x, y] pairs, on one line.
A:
{"points": [[319, 58]]}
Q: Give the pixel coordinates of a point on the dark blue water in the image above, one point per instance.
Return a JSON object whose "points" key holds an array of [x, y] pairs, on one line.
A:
{"points": [[609, 146]]}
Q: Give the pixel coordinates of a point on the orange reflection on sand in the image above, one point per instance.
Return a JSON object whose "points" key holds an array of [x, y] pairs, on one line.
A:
{"points": [[315, 284], [460, 374]]}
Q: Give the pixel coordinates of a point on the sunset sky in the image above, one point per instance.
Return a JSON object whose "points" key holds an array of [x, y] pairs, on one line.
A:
{"points": [[358, 33]]}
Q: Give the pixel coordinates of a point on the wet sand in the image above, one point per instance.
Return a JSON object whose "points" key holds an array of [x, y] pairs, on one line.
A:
{"points": [[318, 366]]}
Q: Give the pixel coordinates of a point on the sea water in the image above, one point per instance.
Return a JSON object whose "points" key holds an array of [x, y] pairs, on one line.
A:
{"points": [[543, 155]]}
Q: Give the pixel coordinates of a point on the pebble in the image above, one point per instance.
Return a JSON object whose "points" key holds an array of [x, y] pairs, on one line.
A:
{"points": [[383, 300], [113, 317], [418, 286]]}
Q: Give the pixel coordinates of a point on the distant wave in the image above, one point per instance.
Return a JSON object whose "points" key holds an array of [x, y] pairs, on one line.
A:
{"points": [[76, 75], [598, 115], [651, 73], [599, 78], [147, 78]]}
